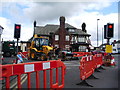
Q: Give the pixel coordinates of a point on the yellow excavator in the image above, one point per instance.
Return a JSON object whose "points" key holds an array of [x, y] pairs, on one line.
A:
{"points": [[39, 48]]}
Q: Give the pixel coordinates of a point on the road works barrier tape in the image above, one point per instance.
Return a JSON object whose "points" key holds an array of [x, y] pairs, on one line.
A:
{"points": [[23, 54], [28, 68]]}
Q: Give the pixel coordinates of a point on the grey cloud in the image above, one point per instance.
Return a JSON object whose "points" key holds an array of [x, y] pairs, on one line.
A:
{"points": [[47, 11], [50, 11]]}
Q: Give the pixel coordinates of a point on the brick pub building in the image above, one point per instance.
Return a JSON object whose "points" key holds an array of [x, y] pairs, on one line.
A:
{"points": [[64, 36]]}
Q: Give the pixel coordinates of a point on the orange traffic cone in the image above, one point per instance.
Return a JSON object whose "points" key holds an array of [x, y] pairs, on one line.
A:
{"points": [[112, 62]]}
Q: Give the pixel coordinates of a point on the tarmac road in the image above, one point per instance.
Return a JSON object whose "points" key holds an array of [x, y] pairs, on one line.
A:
{"points": [[107, 78]]}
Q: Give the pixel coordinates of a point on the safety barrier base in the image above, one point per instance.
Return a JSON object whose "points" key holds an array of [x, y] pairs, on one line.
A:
{"points": [[84, 83], [92, 77], [101, 68], [97, 70]]}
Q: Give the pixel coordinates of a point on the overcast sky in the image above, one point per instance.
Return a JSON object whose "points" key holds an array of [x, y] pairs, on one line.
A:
{"points": [[76, 13]]}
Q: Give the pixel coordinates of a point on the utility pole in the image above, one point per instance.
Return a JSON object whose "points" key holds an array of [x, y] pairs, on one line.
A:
{"points": [[97, 31]]}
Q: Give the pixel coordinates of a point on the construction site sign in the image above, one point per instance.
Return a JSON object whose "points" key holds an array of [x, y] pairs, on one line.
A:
{"points": [[108, 49]]}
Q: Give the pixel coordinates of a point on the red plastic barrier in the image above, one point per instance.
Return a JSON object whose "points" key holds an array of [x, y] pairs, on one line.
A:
{"points": [[105, 54], [35, 67], [108, 60], [80, 54], [98, 60], [86, 67], [87, 53]]}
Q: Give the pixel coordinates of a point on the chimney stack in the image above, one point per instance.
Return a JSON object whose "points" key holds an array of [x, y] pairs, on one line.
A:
{"points": [[62, 23], [34, 24], [83, 27], [62, 32]]}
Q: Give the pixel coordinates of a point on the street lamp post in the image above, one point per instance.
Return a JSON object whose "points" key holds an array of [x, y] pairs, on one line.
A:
{"points": [[97, 32]]}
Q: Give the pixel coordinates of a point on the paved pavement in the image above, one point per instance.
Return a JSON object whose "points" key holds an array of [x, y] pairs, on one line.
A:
{"points": [[107, 78]]}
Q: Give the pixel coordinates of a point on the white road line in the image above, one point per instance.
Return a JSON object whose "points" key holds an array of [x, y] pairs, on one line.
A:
{"points": [[22, 82], [16, 82]]}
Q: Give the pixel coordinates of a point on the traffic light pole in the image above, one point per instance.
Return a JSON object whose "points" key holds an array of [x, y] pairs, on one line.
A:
{"points": [[17, 30], [108, 41], [17, 44], [17, 50]]}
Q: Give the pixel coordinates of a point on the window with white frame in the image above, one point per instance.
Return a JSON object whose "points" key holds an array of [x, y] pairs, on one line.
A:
{"points": [[81, 39], [67, 38], [56, 37]]}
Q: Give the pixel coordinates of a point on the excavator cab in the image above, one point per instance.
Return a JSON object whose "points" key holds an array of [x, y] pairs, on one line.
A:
{"points": [[39, 48], [39, 42]]}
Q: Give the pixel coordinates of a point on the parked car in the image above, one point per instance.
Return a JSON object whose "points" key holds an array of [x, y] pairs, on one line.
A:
{"points": [[66, 54]]}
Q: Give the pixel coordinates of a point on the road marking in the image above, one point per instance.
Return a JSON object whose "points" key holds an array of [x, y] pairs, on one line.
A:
{"points": [[67, 63], [16, 82], [68, 68], [74, 63], [21, 82]]}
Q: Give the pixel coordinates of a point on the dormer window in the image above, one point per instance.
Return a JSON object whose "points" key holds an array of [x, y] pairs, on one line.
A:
{"points": [[71, 30]]}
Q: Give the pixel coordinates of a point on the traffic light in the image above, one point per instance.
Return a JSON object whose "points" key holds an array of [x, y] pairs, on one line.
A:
{"points": [[17, 31], [105, 27], [110, 30]]}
